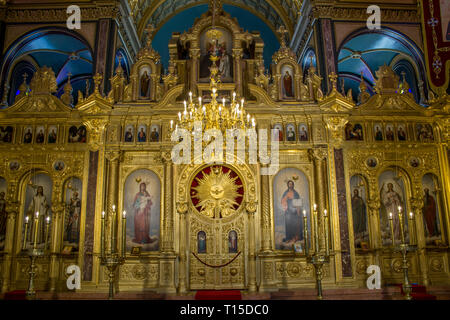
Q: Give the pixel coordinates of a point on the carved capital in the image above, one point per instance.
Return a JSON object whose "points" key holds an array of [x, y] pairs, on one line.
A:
{"points": [[374, 205], [335, 126], [416, 203], [113, 156], [194, 53], [12, 207], [58, 209], [318, 154]]}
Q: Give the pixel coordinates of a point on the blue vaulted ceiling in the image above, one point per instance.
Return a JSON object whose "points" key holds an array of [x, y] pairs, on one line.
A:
{"points": [[64, 53], [184, 20]]}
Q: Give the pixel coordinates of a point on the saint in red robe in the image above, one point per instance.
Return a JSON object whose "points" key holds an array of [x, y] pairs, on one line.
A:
{"points": [[142, 204]]}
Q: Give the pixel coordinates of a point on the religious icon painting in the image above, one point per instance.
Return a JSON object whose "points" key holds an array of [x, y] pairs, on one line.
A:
{"points": [[232, 242], [290, 198], [155, 133], [392, 197], [290, 132], [129, 133], [279, 131], [222, 48], [303, 132], [142, 133], [14, 165], [424, 132], [414, 162], [28, 134], [6, 134], [52, 134], [359, 210], [40, 134], [372, 162], [431, 209], [201, 242], [38, 198], [389, 132], [354, 131], [72, 216], [3, 215], [59, 165], [77, 134], [287, 82], [378, 132], [142, 202], [401, 132], [145, 82]]}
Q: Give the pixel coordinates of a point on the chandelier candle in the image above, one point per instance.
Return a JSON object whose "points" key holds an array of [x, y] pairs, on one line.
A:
{"points": [[46, 232], [124, 235], [113, 230], [316, 229], [325, 226], [401, 223], [412, 228]]}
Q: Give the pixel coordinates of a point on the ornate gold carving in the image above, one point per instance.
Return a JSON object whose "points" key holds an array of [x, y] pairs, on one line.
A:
{"points": [[436, 264], [335, 126], [336, 13]]}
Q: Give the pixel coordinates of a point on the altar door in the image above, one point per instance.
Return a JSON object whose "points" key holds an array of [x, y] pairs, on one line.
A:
{"points": [[218, 262]]}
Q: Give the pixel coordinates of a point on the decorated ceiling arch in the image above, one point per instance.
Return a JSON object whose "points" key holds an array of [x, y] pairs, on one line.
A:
{"points": [[65, 52], [363, 53], [274, 12]]}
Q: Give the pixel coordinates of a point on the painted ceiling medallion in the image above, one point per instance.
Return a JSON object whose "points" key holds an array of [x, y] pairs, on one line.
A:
{"points": [[216, 192]]}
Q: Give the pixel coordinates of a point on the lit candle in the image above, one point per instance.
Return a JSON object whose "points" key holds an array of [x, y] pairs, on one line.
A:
{"points": [[185, 106], [47, 233], [305, 231], [391, 223], [204, 110], [316, 231], [327, 249], [124, 235], [179, 116], [171, 124], [234, 96], [26, 233], [401, 223], [412, 228], [248, 118], [242, 103], [190, 96], [220, 110], [36, 228], [102, 237], [315, 207], [113, 230], [114, 208], [200, 101]]}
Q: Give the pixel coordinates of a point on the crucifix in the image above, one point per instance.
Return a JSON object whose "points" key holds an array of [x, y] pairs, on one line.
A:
{"points": [[282, 31], [149, 30]]}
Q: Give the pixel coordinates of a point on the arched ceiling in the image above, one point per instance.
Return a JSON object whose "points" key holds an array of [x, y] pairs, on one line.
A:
{"points": [[156, 12]]}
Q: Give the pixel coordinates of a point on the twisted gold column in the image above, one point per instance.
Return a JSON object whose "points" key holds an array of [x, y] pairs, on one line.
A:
{"points": [[266, 233], [55, 243], [251, 209], [194, 55], [113, 158], [167, 243], [417, 205]]}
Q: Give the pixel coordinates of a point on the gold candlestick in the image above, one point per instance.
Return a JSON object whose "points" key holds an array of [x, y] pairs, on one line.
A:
{"points": [[124, 235], [36, 229], [113, 233], [391, 223], [400, 222], [26, 233], [102, 237], [305, 231], [327, 249]]}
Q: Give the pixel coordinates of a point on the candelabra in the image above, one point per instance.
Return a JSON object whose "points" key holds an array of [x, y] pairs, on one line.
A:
{"points": [[319, 257], [403, 247], [112, 258], [213, 115], [34, 252]]}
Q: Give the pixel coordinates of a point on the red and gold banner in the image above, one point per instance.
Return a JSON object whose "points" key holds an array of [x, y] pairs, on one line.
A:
{"points": [[436, 26]]}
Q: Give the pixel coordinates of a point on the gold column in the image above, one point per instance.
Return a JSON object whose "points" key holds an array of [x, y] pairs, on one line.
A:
{"points": [[113, 158], [417, 205], [167, 243], [57, 226], [182, 211], [251, 209], [266, 234], [374, 229], [194, 55], [318, 157], [237, 55], [12, 208]]}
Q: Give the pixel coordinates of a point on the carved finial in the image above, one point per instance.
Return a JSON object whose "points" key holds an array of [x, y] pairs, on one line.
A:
{"points": [[342, 86], [98, 78], [149, 30], [119, 69], [215, 6], [88, 85], [312, 69], [67, 95], [333, 79], [282, 31]]}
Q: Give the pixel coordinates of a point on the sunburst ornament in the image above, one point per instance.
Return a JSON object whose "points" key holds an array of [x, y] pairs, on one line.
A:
{"points": [[216, 192]]}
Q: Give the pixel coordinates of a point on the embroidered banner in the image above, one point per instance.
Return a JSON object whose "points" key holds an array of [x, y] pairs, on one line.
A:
{"points": [[436, 25]]}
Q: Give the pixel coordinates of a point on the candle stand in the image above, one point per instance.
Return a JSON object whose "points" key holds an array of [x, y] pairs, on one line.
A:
{"points": [[34, 253], [112, 259], [403, 248]]}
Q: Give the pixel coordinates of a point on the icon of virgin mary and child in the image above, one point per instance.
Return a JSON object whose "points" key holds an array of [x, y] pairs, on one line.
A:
{"points": [[142, 210]]}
